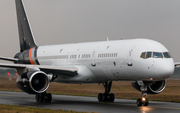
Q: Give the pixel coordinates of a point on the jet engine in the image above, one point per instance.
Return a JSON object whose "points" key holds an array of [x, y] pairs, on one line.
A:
{"points": [[33, 82], [150, 87]]}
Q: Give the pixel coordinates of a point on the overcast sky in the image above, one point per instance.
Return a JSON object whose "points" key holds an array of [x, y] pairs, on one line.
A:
{"points": [[69, 21]]}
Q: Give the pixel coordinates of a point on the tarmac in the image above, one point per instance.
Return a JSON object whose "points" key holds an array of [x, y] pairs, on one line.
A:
{"points": [[88, 104]]}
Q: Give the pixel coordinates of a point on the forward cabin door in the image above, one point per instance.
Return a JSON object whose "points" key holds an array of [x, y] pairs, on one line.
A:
{"points": [[130, 56]]}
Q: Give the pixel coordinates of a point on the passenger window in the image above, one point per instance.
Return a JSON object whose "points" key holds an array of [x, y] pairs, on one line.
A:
{"points": [[143, 55], [166, 55], [157, 55], [148, 54]]}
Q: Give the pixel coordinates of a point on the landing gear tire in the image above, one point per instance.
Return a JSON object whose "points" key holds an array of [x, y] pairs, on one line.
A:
{"points": [[39, 98], [112, 97], [106, 97], [100, 97], [43, 97], [49, 97], [146, 103], [140, 102]]}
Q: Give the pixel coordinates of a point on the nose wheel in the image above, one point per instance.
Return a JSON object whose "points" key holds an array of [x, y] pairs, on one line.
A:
{"points": [[143, 100]]}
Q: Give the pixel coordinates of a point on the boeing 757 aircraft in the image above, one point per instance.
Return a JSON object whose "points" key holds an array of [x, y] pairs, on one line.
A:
{"points": [[145, 62]]}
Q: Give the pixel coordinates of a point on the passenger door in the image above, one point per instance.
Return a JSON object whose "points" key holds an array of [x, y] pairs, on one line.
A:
{"points": [[130, 56], [93, 59]]}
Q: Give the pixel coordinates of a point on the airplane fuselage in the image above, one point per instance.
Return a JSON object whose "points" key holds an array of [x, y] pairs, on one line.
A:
{"points": [[98, 62]]}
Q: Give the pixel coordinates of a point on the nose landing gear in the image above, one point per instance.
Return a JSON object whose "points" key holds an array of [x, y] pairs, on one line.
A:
{"points": [[143, 100]]}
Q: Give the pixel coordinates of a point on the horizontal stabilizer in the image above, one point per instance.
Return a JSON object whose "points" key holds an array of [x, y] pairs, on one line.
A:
{"points": [[9, 59], [177, 64]]}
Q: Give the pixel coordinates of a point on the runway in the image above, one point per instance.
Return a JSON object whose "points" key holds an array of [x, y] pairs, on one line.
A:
{"points": [[89, 104]]}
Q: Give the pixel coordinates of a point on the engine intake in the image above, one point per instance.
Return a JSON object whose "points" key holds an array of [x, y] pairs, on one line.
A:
{"points": [[153, 87], [33, 82]]}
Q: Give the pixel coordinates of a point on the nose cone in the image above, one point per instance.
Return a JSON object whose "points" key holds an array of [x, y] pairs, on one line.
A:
{"points": [[165, 68]]}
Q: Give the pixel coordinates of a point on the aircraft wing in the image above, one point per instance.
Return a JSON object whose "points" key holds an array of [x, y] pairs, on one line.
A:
{"points": [[64, 71], [177, 64]]}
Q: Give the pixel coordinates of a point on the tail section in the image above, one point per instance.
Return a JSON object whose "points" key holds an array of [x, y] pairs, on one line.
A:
{"points": [[25, 35]]}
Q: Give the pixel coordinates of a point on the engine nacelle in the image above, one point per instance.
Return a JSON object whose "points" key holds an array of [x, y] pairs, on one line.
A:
{"points": [[153, 87], [33, 82]]}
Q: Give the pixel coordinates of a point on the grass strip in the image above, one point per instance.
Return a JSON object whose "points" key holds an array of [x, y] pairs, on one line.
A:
{"points": [[20, 109]]}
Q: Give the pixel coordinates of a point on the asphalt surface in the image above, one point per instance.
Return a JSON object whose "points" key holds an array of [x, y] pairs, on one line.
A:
{"points": [[89, 104]]}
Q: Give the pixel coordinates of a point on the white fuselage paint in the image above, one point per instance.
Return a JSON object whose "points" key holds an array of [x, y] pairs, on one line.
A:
{"points": [[109, 60]]}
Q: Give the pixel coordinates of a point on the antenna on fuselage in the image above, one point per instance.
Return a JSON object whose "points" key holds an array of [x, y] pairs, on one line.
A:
{"points": [[107, 39]]}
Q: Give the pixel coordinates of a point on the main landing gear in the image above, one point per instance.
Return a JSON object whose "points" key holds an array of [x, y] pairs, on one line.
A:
{"points": [[143, 100], [43, 97], [106, 97]]}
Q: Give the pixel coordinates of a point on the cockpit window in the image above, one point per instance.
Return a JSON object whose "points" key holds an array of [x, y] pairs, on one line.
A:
{"points": [[157, 55], [143, 55], [148, 55], [167, 55]]}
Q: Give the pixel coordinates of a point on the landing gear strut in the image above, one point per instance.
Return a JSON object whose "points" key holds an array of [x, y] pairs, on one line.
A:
{"points": [[106, 97], [143, 100], [43, 97]]}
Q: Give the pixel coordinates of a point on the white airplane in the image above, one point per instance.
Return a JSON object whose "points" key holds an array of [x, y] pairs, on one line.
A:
{"points": [[145, 62]]}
